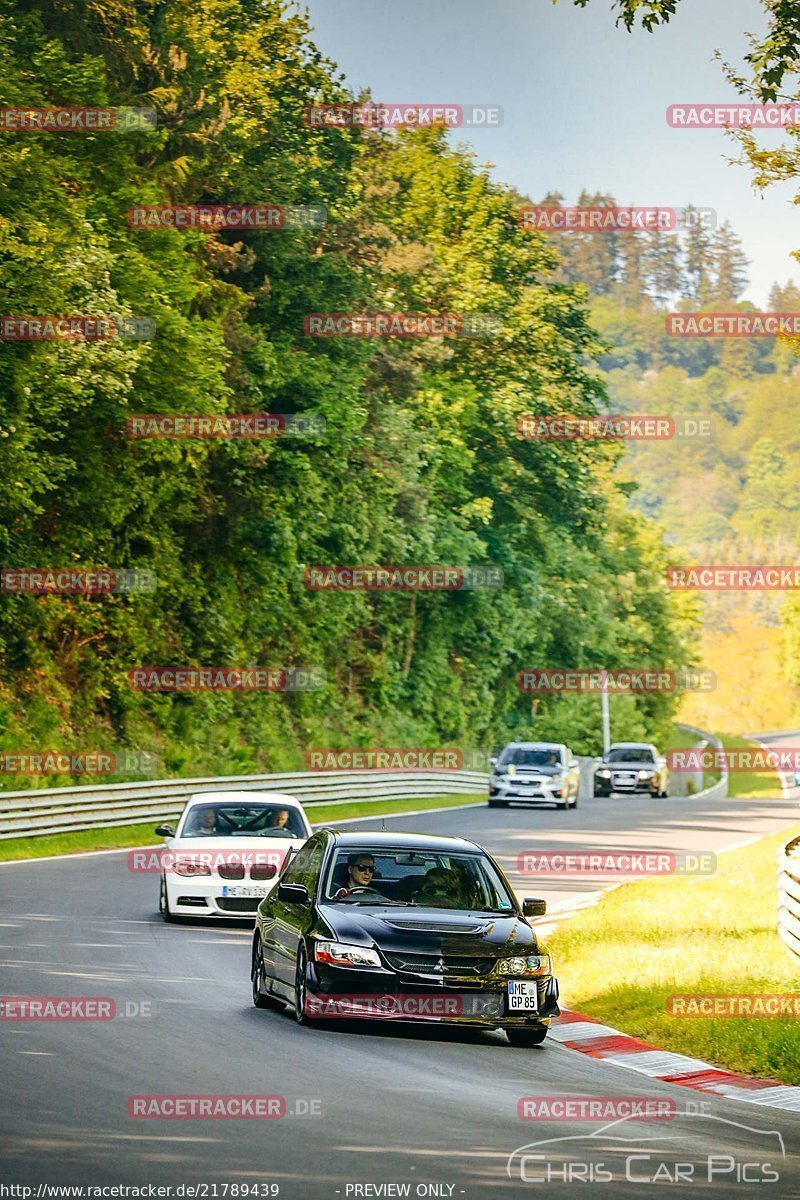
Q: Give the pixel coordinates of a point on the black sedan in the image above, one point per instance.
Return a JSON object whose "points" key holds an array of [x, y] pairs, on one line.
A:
{"points": [[402, 926]]}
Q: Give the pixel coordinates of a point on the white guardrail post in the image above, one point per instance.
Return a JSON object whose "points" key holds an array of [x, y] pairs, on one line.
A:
{"points": [[789, 896], [67, 810]]}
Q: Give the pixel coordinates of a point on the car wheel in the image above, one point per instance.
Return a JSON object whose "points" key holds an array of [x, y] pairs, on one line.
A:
{"points": [[257, 978], [163, 902], [300, 987], [527, 1037]]}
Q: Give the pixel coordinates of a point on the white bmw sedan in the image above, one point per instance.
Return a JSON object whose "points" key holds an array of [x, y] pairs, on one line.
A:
{"points": [[227, 851]]}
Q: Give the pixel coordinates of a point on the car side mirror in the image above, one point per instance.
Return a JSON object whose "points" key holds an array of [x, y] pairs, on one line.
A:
{"points": [[533, 908], [293, 893], [493, 762], [165, 831]]}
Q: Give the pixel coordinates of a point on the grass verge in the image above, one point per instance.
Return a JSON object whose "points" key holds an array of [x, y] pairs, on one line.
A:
{"points": [[644, 942], [14, 849]]}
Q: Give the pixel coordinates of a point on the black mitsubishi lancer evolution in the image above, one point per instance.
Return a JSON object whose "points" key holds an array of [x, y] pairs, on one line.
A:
{"points": [[401, 926]]}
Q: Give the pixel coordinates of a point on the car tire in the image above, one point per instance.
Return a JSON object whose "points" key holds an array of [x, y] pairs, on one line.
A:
{"points": [[300, 992], [260, 1000], [524, 1038], [163, 903]]}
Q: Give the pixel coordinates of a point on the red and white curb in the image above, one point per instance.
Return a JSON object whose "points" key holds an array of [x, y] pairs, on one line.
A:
{"points": [[578, 1032]]}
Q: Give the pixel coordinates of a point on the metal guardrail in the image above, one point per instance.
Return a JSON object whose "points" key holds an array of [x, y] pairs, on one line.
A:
{"points": [[68, 810], [789, 896], [719, 790]]}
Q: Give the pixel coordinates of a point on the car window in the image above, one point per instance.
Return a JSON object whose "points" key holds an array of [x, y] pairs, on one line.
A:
{"points": [[522, 756], [304, 867], [227, 819], [631, 754], [422, 879]]}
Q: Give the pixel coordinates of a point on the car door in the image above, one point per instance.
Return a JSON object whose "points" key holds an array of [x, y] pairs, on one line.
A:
{"points": [[291, 920]]}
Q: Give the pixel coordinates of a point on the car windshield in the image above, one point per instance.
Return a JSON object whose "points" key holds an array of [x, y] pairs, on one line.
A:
{"points": [[631, 754], [424, 879], [273, 820], [522, 756]]}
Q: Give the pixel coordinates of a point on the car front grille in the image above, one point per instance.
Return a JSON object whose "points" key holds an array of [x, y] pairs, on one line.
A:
{"points": [[231, 871], [431, 964]]}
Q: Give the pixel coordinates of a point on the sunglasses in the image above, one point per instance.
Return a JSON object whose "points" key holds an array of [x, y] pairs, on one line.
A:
{"points": [[363, 867]]}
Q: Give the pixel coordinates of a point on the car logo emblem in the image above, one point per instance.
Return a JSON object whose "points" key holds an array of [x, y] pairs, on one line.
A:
{"points": [[440, 967]]}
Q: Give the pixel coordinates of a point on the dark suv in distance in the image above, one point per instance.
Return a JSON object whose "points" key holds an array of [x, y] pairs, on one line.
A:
{"points": [[632, 767], [535, 773]]}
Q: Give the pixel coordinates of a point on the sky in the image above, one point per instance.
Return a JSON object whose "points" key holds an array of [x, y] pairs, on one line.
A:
{"points": [[583, 101]]}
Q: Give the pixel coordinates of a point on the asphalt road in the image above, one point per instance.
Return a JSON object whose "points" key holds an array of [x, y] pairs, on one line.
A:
{"points": [[368, 1106]]}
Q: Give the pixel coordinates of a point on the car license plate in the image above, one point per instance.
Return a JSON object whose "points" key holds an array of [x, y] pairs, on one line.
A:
{"points": [[252, 892], [522, 995]]}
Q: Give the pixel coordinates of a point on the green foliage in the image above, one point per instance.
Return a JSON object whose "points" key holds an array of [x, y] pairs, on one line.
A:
{"points": [[420, 462]]}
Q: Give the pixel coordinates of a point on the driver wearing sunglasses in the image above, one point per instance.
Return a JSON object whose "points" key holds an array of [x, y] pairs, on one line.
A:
{"points": [[360, 873]]}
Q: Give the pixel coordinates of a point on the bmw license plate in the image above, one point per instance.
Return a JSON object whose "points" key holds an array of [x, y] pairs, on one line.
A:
{"points": [[522, 995], [251, 892]]}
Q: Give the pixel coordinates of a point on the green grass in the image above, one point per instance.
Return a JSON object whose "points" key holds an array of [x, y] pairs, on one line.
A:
{"points": [[14, 849], [621, 960], [749, 783]]}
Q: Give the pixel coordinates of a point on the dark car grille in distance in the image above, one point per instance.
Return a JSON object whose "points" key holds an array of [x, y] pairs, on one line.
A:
{"points": [[425, 964]]}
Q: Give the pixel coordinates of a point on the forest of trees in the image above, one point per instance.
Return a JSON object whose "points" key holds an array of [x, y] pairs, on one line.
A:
{"points": [[419, 464]]}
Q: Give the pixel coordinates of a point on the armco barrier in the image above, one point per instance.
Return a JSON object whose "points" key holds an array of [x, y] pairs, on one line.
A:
{"points": [[717, 791], [68, 810], [789, 896]]}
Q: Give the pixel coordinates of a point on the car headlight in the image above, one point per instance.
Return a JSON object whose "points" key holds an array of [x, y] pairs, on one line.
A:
{"points": [[604, 774], [534, 964], [342, 954], [646, 774], [558, 778], [188, 867]]}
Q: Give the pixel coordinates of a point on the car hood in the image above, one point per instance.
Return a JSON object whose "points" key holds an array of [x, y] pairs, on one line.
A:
{"points": [[430, 930], [638, 765]]}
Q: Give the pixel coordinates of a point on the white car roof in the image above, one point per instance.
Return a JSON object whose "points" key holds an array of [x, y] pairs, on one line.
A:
{"points": [[243, 798]]}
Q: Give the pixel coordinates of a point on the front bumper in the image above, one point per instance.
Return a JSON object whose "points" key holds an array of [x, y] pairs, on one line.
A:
{"points": [[210, 896], [523, 791], [620, 785], [388, 995]]}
